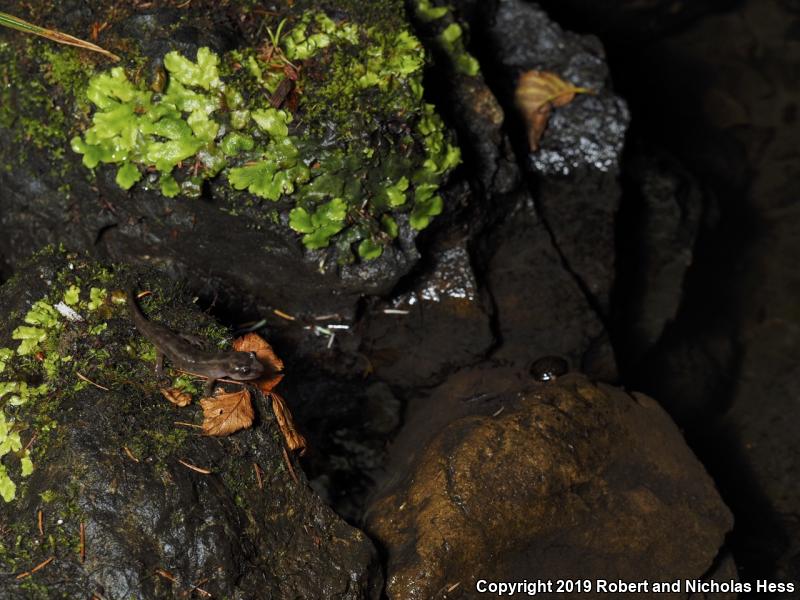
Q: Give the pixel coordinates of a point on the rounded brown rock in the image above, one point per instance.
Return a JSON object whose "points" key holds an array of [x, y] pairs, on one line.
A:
{"points": [[571, 480]]}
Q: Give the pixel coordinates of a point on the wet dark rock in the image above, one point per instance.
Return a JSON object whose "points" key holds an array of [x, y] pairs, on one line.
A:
{"points": [[541, 309], [576, 187], [659, 224], [108, 459], [545, 256], [566, 479], [479, 119], [476, 114], [347, 422], [443, 322]]}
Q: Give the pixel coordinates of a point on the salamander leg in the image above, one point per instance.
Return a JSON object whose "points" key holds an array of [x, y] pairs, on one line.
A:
{"points": [[209, 389], [159, 364], [194, 340]]}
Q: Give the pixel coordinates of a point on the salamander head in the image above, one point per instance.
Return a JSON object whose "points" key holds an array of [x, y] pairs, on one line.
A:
{"points": [[244, 366]]}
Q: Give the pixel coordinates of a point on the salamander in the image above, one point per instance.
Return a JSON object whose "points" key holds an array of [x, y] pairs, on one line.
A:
{"points": [[185, 355]]}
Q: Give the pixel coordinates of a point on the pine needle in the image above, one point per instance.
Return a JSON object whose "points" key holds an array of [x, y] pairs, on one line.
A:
{"points": [[13, 22]]}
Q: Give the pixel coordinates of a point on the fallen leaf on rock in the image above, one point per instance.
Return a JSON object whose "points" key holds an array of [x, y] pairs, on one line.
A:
{"points": [[252, 342], [225, 414], [177, 396], [537, 93], [294, 441]]}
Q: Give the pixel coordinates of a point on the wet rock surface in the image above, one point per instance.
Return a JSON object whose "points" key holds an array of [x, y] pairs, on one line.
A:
{"points": [[535, 297], [445, 318], [568, 478], [574, 172], [108, 462], [658, 228]]}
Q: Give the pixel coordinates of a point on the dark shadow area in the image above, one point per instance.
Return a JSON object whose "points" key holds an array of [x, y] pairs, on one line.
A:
{"points": [[694, 367]]}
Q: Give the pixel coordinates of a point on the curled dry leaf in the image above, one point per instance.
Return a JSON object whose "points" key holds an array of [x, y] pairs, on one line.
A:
{"points": [[177, 396], [294, 441], [225, 414], [273, 366], [537, 93]]}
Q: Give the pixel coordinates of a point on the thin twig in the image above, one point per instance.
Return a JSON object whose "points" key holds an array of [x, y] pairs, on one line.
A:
{"points": [[41, 565], [13, 22], [87, 380], [30, 442], [196, 586], [181, 371], [130, 454], [40, 519], [283, 315], [289, 464], [194, 468], [167, 575], [185, 424], [260, 482]]}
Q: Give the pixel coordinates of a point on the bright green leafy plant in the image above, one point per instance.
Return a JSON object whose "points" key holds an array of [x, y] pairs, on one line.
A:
{"points": [[213, 118]]}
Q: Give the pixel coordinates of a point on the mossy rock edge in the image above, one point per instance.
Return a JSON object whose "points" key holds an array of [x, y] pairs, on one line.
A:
{"points": [[107, 461], [176, 155]]}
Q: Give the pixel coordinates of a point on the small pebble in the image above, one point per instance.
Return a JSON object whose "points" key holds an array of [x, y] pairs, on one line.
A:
{"points": [[549, 368]]}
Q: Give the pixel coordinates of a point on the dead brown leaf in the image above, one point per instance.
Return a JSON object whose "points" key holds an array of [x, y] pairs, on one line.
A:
{"points": [[294, 441], [177, 396], [273, 365], [225, 414], [537, 93]]}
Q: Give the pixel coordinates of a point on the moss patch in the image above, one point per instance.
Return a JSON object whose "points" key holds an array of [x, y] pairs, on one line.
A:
{"points": [[448, 35], [44, 110]]}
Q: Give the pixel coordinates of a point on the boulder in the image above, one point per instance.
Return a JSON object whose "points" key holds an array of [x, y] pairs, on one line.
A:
{"points": [[502, 478]]}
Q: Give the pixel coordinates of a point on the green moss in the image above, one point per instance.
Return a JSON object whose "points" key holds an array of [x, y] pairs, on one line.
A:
{"points": [[31, 373], [426, 11], [450, 36], [41, 326], [451, 40], [41, 102]]}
